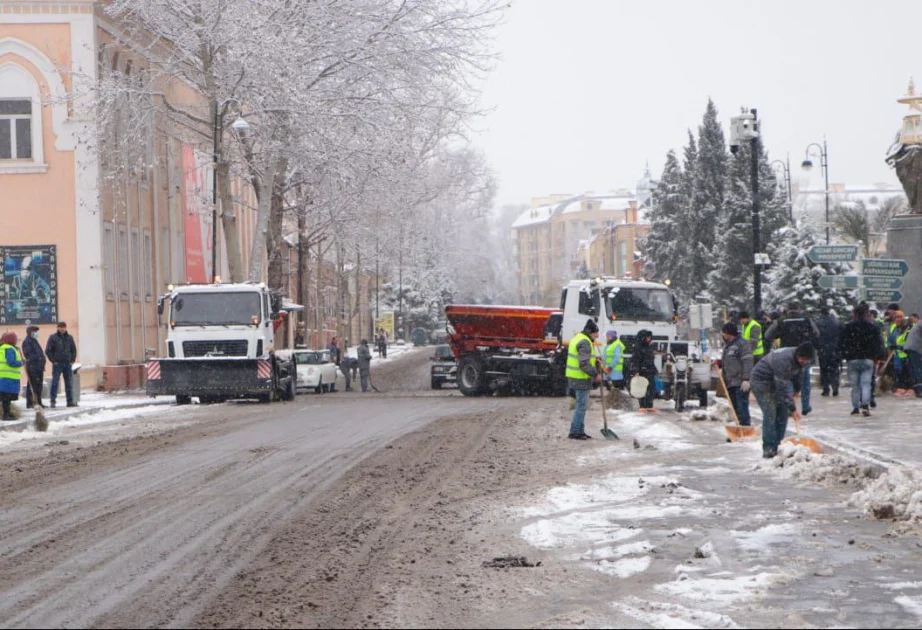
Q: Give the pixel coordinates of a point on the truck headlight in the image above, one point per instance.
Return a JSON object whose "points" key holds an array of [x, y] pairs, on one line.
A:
{"points": [[681, 365]]}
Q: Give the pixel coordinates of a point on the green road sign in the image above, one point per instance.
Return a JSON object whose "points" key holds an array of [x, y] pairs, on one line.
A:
{"points": [[882, 295], [879, 282], [833, 253], [891, 268], [839, 282]]}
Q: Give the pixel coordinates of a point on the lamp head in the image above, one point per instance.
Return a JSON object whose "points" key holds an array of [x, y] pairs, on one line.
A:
{"points": [[807, 164], [240, 125]]}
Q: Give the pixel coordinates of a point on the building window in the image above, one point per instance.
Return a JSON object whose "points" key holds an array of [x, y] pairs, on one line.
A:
{"points": [[108, 252], [148, 270], [123, 262], [16, 129], [622, 254]]}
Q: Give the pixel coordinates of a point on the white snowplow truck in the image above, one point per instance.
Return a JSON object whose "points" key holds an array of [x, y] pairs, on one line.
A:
{"points": [[629, 306], [220, 345]]}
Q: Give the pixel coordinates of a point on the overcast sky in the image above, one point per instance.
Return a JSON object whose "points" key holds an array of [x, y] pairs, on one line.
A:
{"points": [[587, 91]]}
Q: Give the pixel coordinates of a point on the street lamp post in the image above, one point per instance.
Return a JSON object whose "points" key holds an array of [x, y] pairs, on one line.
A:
{"points": [[824, 163], [785, 169]]}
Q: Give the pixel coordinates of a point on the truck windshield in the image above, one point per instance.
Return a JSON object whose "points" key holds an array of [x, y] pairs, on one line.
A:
{"points": [[636, 303], [203, 309]]}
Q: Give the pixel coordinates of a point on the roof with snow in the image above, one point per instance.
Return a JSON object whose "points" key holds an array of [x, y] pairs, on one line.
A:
{"points": [[533, 216]]}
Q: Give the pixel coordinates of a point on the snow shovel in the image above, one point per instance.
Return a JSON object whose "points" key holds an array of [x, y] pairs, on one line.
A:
{"points": [[41, 422], [885, 382], [607, 433], [737, 432], [810, 443]]}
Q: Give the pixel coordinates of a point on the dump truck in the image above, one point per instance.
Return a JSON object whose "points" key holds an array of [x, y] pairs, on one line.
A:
{"points": [[522, 349]]}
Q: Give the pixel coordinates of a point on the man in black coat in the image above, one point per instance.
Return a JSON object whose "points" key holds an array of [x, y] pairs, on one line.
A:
{"points": [[61, 350], [828, 351], [34, 358], [643, 364], [861, 346]]}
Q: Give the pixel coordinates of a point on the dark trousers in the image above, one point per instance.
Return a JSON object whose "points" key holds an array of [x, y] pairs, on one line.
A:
{"points": [[7, 403], [647, 401], [59, 370], [36, 384], [829, 373], [740, 401]]}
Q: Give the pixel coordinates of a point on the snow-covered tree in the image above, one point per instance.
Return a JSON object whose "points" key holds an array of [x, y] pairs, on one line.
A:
{"points": [[730, 281], [663, 245], [794, 278]]}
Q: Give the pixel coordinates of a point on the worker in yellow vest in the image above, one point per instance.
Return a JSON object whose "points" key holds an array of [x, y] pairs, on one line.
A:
{"points": [[10, 373], [581, 373], [752, 333], [614, 360]]}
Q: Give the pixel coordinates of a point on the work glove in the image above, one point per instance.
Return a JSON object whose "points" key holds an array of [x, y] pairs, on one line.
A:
{"points": [[745, 387]]}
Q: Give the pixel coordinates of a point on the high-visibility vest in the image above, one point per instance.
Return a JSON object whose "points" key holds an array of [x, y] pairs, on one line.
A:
{"points": [[7, 370], [900, 343], [759, 349], [610, 355], [573, 369]]}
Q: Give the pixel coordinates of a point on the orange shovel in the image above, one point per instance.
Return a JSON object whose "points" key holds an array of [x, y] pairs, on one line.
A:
{"points": [[797, 440]]}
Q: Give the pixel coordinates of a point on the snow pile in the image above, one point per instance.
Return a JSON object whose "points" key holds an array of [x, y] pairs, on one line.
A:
{"points": [[800, 464], [718, 412], [720, 589], [895, 494], [767, 539], [647, 430], [665, 615], [577, 529], [623, 561]]}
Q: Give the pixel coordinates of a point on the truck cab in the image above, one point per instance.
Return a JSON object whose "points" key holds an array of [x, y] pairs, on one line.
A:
{"points": [[629, 306], [220, 345]]}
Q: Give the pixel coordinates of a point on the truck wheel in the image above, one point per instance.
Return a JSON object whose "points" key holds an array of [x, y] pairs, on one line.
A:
{"points": [[319, 388], [289, 394], [471, 377], [183, 400]]}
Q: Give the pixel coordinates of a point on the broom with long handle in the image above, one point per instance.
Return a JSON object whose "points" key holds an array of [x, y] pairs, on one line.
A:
{"points": [[41, 422]]}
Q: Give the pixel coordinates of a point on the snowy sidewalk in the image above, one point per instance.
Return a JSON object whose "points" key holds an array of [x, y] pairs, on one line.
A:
{"points": [[91, 403], [891, 435]]}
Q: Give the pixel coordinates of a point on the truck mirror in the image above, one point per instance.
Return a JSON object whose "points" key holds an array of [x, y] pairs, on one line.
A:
{"points": [[160, 305]]}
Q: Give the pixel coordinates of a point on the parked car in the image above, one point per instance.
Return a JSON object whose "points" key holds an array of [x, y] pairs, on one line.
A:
{"points": [[316, 370], [444, 368]]}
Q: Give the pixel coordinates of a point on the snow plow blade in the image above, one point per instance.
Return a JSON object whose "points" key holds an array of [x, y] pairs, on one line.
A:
{"points": [[229, 378]]}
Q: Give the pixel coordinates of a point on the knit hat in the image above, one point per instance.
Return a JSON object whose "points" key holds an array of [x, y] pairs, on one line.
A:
{"points": [[804, 351], [611, 335], [9, 337], [742, 315], [590, 327], [731, 329]]}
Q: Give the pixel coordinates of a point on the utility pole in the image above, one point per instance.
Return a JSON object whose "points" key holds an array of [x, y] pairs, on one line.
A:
{"points": [[214, 196], [756, 154]]}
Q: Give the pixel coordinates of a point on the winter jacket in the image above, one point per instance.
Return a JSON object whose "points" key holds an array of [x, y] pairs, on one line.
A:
{"points": [[586, 364], [914, 341], [642, 361], [860, 339], [793, 330], [364, 354], [10, 370], [335, 353], [776, 374], [736, 362], [61, 348], [830, 329], [33, 354]]}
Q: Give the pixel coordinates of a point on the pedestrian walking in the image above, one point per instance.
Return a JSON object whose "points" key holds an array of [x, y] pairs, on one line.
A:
{"points": [[793, 330], [335, 352], [364, 363], [860, 344], [752, 334], [913, 348], [581, 373], [10, 373], [61, 350], [736, 365], [34, 358], [830, 329], [773, 385], [643, 363]]}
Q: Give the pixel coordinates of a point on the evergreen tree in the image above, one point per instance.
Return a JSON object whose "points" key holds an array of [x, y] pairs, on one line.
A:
{"points": [[794, 278], [681, 273], [730, 281], [662, 245]]}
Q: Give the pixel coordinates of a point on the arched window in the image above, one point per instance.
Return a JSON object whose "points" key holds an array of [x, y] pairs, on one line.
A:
{"points": [[20, 117]]}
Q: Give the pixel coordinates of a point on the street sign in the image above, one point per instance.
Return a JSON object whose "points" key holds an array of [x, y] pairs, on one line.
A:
{"points": [[839, 282], [879, 282], [891, 268], [833, 253], [882, 295]]}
